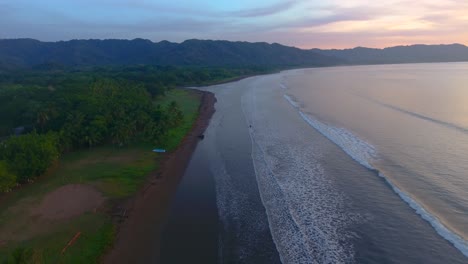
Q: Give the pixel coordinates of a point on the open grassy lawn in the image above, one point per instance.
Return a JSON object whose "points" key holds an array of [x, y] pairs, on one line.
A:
{"points": [[117, 173]]}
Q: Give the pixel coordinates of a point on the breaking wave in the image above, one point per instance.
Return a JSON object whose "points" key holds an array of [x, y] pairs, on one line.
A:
{"points": [[291, 101], [307, 216], [417, 115], [364, 153], [358, 149]]}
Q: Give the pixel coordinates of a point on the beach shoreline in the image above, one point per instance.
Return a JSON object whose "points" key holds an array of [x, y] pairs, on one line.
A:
{"points": [[139, 233]]}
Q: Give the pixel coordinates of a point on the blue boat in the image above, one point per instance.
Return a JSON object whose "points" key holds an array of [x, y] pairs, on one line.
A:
{"points": [[157, 150]]}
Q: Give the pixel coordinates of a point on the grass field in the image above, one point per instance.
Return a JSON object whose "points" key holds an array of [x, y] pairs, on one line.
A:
{"points": [[116, 172]]}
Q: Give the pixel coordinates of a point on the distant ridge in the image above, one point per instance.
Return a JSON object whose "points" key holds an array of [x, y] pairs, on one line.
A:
{"points": [[400, 54], [29, 53]]}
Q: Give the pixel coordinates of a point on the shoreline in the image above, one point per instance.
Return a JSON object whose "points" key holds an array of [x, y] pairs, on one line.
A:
{"points": [[139, 235], [218, 215], [234, 79]]}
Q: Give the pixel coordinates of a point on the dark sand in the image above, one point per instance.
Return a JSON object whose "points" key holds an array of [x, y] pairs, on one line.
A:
{"points": [[138, 239], [191, 232], [223, 222]]}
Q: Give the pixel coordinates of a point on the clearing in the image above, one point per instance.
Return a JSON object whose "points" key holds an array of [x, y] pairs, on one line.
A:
{"points": [[79, 195]]}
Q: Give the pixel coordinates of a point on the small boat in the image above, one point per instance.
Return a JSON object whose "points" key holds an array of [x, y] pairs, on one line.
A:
{"points": [[158, 150]]}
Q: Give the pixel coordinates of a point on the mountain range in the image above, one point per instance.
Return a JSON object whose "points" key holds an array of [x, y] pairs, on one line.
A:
{"points": [[27, 53]]}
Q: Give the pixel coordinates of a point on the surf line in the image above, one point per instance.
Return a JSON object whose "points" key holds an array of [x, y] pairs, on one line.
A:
{"points": [[416, 115], [363, 154]]}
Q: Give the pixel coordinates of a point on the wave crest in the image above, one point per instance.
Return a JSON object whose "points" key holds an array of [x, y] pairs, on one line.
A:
{"points": [[364, 153]]}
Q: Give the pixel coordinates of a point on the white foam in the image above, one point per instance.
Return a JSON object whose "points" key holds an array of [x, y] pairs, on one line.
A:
{"points": [[364, 153], [283, 86], [355, 147], [291, 101], [241, 220], [443, 231], [307, 216]]}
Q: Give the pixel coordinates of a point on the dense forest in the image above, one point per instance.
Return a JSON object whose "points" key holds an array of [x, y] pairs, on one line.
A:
{"points": [[57, 97], [30, 53], [400, 54], [44, 113]]}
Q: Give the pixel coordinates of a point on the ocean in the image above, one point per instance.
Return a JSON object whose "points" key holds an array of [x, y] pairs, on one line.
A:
{"points": [[359, 164]]}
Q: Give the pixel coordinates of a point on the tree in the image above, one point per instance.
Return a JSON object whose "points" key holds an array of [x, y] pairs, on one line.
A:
{"points": [[175, 115], [95, 131], [30, 155]]}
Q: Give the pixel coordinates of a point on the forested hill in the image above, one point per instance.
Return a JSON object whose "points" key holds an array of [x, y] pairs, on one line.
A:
{"points": [[33, 53], [29, 53], [400, 54]]}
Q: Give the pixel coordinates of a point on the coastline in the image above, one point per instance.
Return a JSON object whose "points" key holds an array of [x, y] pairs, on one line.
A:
{"points": [[192, 225], [232, 226], [236, 79], [138, 236]]}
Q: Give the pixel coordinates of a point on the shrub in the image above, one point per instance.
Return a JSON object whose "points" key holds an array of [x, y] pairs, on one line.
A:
{"points": [[7, 179], [29, 156], [21, 255]]}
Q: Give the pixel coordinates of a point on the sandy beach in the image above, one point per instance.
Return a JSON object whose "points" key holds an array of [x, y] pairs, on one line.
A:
{"points": [[217, 215], [272, 183], [138, 238]]}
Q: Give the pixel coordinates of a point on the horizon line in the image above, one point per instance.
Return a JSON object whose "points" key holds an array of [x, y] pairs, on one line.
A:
{"points": [[242, 41]]}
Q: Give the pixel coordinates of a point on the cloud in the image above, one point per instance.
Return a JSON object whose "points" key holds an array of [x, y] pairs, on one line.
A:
{"points": [[304, 23], [313, 22], [182, 25], [266, 11]]}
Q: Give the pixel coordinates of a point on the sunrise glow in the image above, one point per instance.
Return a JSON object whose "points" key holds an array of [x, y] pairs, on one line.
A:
{"points": [[300, 23]]}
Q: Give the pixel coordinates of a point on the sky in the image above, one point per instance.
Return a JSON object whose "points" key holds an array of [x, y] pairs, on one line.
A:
{"points": [[299, 23]]}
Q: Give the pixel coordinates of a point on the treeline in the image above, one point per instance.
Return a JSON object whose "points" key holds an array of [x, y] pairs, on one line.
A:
{"points": [[104, 111], [154, 78], [29, 99], [46, 113], [65, 119]]}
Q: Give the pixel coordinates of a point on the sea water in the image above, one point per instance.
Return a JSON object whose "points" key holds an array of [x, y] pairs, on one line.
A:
{"points": [[362, 164]]}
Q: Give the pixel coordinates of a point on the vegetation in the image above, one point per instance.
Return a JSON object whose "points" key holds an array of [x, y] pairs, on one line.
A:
{"points": [[95, 127], [83, 53], [55, 112], [45, 113], [29, 53], [115, 171], [28, 156], [155, 79], [69, 119], [7, 179]]}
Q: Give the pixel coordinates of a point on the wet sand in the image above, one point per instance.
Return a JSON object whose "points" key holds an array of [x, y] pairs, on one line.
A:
{"points": [[138, 239], [220, 183], [347, 198], [191, 232]]}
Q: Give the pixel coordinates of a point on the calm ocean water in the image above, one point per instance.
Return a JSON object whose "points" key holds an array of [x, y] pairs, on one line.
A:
{"points": [[363, 164], [414, 119]]}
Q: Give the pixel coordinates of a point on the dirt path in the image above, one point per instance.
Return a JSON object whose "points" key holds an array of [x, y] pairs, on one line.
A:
{"points": [[69, 201], [138, 240]]}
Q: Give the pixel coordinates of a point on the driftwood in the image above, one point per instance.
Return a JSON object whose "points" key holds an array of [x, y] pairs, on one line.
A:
{"points": [[71, 242]]}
